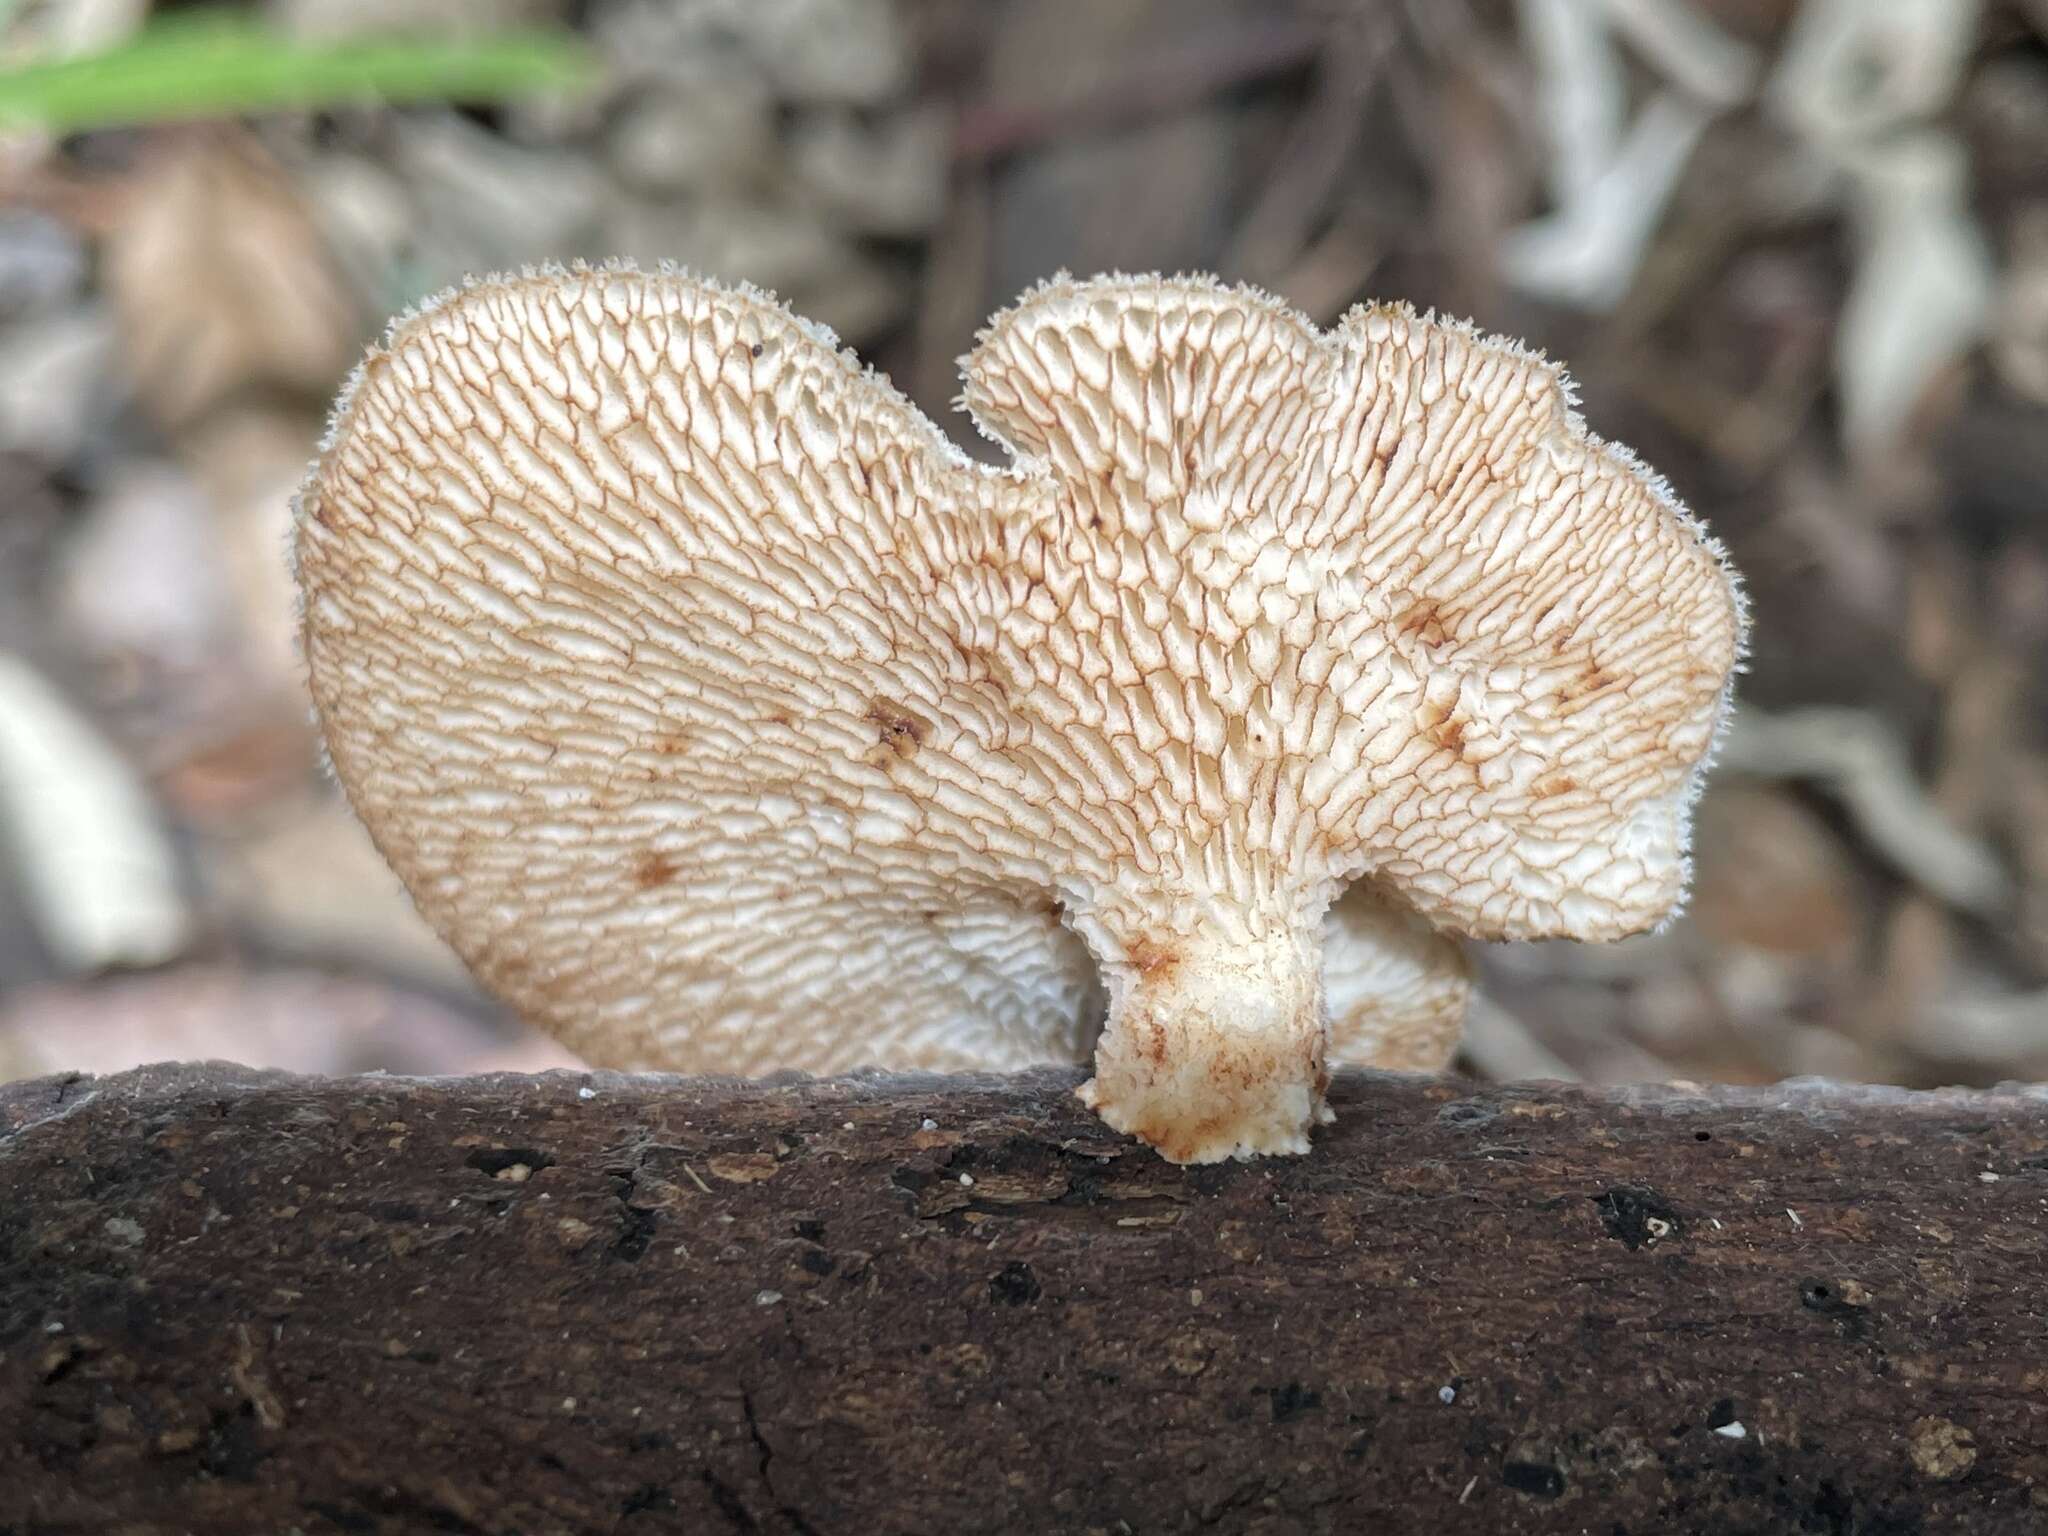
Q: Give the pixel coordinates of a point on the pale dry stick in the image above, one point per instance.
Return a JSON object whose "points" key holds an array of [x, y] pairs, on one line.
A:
{"points": [[99, 872], [1982, 683]]}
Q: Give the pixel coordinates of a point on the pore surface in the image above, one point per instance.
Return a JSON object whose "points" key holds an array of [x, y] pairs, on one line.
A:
{"points": [[723, 716]]}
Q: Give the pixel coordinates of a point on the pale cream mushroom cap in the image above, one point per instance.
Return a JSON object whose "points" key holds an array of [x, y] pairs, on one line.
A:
{"points": [[724, 716]]}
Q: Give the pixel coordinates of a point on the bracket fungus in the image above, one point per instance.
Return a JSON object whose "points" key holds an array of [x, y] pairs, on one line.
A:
{"points": [[724, 716]]}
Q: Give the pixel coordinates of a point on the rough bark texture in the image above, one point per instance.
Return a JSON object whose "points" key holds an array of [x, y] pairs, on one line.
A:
{"points": [[239, 1302]]}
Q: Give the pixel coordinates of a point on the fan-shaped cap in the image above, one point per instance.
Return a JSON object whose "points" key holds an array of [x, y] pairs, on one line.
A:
{"points": [[724, 716]]}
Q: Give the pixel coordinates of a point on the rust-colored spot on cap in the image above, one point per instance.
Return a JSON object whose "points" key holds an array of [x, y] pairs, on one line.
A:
{"points": [[1450, 735], [1152, 1042], [1152, 960], [654, 869], [902, 732], [1592, 680], [1425, 620]]}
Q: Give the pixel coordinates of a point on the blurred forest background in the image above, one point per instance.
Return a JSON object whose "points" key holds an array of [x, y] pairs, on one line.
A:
{"points": [[1794, 251]]}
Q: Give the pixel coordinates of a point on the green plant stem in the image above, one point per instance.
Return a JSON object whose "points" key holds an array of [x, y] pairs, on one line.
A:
{"points": [[217, 65]]}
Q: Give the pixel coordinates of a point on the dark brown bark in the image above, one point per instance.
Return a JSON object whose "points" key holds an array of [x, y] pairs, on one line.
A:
{"points": [[238, 1302]]}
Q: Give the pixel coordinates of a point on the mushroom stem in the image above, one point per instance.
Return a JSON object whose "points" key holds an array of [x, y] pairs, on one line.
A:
{"points": [[1215, 1042]]}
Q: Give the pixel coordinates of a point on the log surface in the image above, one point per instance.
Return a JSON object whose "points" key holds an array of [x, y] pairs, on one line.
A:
{"points": [[243, 1302]]}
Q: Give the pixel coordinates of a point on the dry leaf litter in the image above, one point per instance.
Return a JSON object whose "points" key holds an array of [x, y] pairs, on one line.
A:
{"points": [[1794, 251]]}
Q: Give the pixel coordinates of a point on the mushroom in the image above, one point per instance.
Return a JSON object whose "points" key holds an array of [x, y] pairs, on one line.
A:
{"points": [[724, 716]]}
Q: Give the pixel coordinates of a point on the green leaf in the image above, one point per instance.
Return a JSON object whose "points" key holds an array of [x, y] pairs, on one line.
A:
{"points": [[218, 64]]}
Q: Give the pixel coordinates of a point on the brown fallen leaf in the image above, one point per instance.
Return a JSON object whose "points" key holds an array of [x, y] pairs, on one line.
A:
{"points": [[1772, 876], [220, 280]]}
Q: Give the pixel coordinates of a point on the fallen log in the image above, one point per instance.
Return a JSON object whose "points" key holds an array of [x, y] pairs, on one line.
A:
{"points": [[234, 1301]]}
